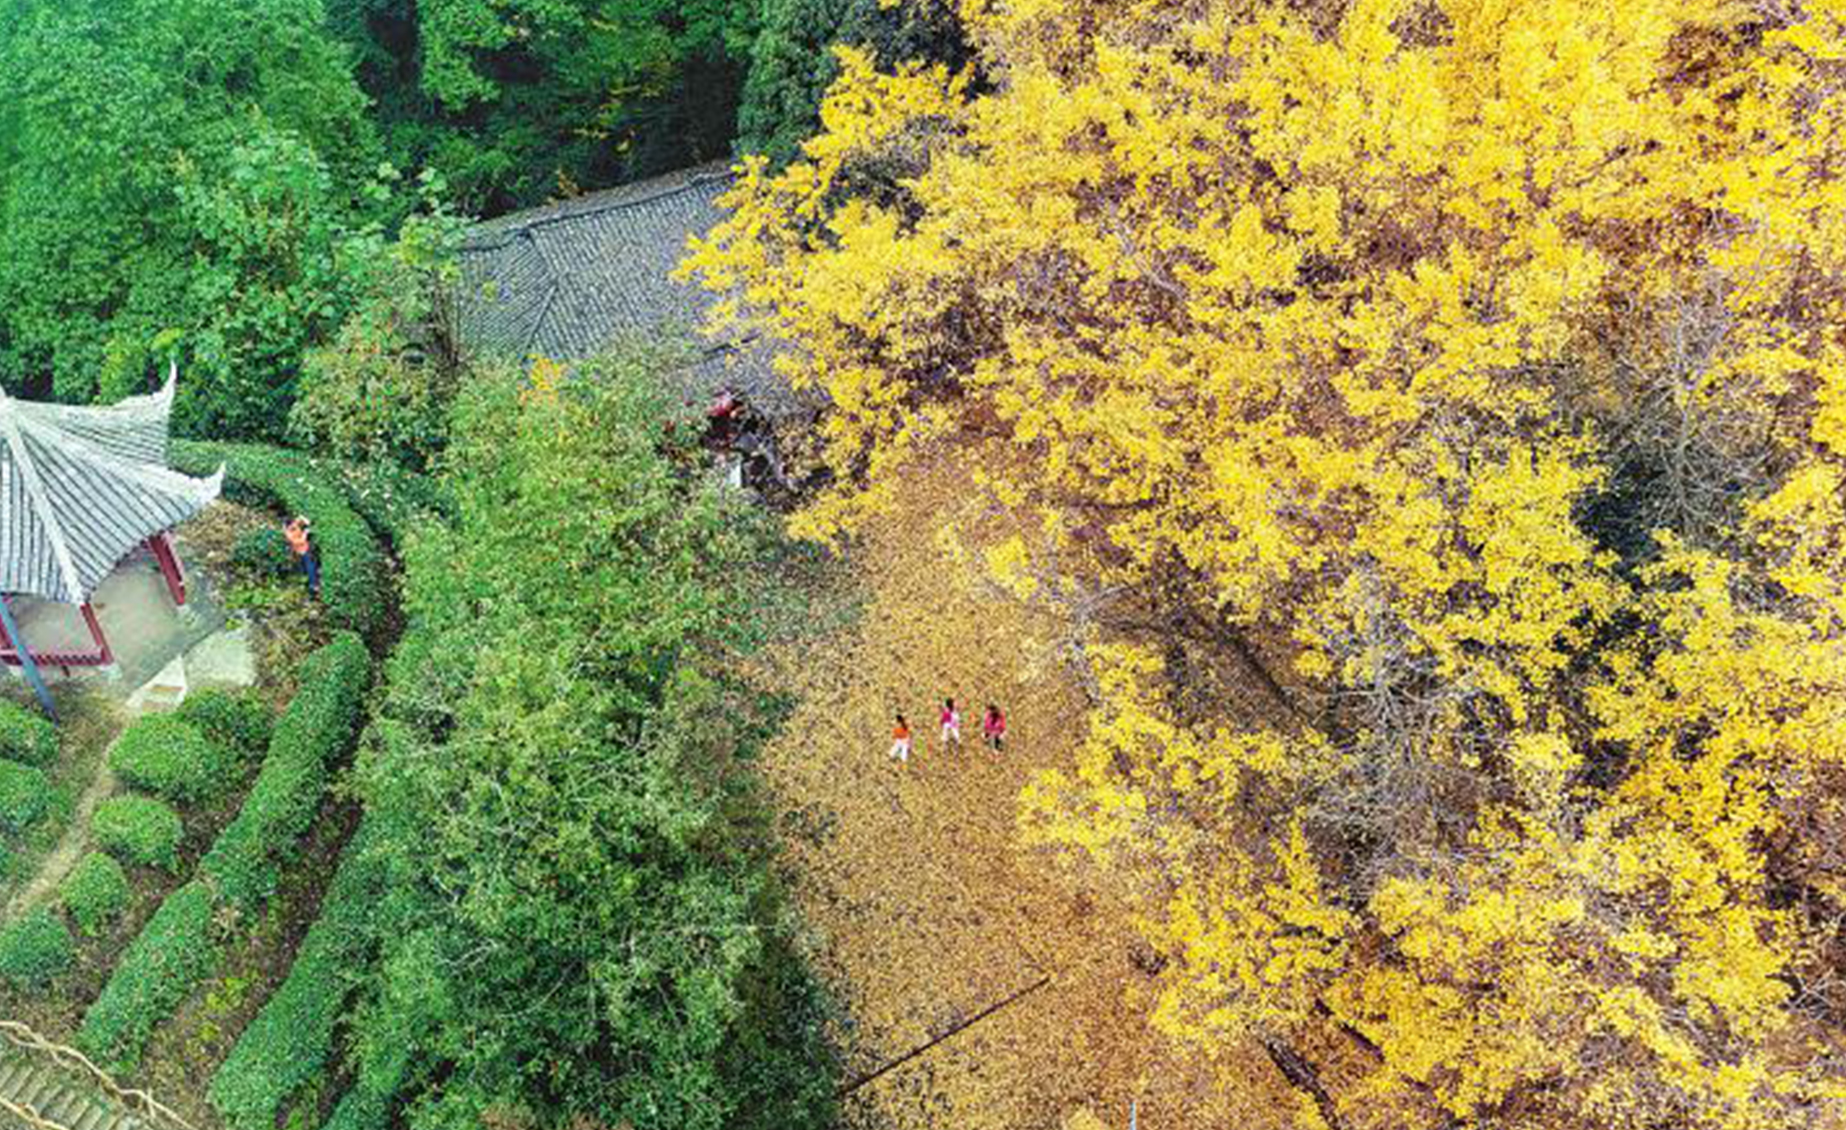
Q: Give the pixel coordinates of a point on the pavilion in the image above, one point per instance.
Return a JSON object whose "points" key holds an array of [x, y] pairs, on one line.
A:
{"points": [[82, 488]]}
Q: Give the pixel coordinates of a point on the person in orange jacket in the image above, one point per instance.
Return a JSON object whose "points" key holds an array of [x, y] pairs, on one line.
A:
{"points": [[301, 541], [900, 740]]}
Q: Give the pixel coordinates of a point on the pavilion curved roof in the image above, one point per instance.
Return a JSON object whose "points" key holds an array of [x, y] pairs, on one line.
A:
{"points": [[82, 486]]}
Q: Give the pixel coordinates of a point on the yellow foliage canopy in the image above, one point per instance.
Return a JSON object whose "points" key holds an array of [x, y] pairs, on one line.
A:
{"points": [[1485, 358]]}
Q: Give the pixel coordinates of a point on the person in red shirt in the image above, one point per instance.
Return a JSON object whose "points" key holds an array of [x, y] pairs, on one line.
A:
{"points": [[900, 740], [993, 726]]}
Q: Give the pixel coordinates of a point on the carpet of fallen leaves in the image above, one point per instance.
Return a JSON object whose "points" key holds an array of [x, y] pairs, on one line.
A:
{"points": [[925, 909]]}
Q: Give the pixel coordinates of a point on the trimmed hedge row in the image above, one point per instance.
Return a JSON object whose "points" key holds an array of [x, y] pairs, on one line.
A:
{"points": [[25, 793], [289, 1043], [171, 955], [238, 722], [139, 829], [175, 951], [34, 949], [94, 892], [352, 568], [318, 725], [360, 1109], [26, 736], [167, 756], [392, 499]]}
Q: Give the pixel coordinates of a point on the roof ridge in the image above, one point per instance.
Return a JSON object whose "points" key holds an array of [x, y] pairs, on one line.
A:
{"points": [[516, 231], [35, 490]]}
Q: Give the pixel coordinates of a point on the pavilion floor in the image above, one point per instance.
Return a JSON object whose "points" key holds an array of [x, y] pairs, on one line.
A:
{"points": [[144, 628]]}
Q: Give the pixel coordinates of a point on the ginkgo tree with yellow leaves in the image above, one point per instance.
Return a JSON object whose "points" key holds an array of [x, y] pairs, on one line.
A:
{"points": [[1476, 369]]}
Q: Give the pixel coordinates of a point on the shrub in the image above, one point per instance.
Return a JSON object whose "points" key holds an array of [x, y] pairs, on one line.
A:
{"points": [[139, 829], [94, 892], [352, 567], [317, 726], [34, 949], [287, 1045], [168, 756], [171, 955], [394, 501], [263, 551], [26, 736], [238, 722], [360, 1109], [24, 796]]}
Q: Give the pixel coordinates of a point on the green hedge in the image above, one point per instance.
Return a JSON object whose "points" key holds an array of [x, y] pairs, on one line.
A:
{"points": [[25, 793], [171, 955], [360, 1109], [34, 949], [315, 729], [392, 499], [94, 892], [173, 952], [288, 1044], [238, 722], [138, 829], [167, 756], [26, 736], [352, 567]]}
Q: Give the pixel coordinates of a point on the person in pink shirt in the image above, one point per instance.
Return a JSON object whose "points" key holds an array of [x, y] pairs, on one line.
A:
{"points": [[951, 723], [993, 727]]}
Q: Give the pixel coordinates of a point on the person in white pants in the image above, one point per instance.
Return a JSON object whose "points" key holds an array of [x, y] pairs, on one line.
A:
{"points": [[951, 723], [900, 740]]}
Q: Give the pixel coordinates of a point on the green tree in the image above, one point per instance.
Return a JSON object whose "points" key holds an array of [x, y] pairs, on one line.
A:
{"points": [[792, 62], [380, 390], [576, 924], [514, 100], [173, 183]]}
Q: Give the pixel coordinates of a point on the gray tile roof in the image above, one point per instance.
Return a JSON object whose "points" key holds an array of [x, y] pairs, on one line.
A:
{"points": [[566, 280], [82, 486]]}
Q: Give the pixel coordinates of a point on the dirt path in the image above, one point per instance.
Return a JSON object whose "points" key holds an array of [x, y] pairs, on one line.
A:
{"points": [[62, 858]]}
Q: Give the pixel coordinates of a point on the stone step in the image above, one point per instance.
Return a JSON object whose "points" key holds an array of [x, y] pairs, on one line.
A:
{"points": [[56, 1098]]}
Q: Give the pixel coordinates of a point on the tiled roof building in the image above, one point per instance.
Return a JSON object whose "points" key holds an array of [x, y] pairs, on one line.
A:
{"points": [[566, 280], [80, 487]]}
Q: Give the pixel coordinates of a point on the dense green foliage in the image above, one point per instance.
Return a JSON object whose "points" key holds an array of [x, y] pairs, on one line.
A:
{"points": [[263, 552], [139, 829], [289, 1042], [24, 795], [240, 722], [26, 736], [380, 390], [514, 100], [549, 792], [317, 727], [168, 757], [34, 948], [173, 953], [393, 500], [94, 892], [352, 569], [792, 61], [161, 198]]}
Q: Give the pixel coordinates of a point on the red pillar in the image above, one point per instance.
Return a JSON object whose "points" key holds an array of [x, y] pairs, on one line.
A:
{"points": [[96, 633], [10, 643], [162, 547]]}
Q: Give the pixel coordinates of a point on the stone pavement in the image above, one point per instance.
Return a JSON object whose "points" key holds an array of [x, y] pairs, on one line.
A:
{"points": [[161, 651]]}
